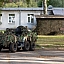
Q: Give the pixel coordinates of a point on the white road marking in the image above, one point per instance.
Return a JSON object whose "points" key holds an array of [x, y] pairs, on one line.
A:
{"points": [[30, 60]]}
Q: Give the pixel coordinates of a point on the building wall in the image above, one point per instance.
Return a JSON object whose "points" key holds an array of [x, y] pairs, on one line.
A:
{"points": [[5, 19], [20, 19], [50, 26], [24, 19]]}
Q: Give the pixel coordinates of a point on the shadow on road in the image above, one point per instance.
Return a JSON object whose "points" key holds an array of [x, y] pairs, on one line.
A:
{"points": [[7, 51]]}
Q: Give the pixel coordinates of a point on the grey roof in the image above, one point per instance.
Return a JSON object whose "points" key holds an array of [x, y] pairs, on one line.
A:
{"points": [[13, 9], [49, 16], [23, 9], [58, 11]]}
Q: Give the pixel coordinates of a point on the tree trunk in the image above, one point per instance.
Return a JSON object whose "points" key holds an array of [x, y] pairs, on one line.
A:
{"points": [[45, 6]]}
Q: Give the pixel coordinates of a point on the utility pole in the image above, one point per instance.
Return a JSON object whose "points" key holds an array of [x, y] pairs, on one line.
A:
{"points": [[45, 6]]}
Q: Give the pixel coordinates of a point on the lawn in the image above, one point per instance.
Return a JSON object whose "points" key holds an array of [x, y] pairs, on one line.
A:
{"points": [[55, 41]]}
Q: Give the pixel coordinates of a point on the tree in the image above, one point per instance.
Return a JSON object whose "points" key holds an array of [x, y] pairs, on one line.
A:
{"points": [[39, 3], [45, 6], [10, 5], [28, 2], [2, 2], [22, 3], [54, 3], [31, 3]]}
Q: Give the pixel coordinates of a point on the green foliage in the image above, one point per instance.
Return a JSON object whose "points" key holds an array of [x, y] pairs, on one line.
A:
{"points": [[39, 3], [2, 2], [18, 4], [27, 3], [10, 5], [32, 3], [21, 4], [55, 3]]}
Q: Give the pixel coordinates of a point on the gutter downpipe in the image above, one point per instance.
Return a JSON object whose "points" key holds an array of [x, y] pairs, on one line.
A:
{"points": [[19, 17]]}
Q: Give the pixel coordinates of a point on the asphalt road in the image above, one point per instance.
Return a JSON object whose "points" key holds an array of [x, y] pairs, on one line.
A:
{"points": [[39, 56]]}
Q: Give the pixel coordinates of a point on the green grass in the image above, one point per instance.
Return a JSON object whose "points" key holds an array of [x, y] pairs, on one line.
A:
{"points": [[50, 41]]}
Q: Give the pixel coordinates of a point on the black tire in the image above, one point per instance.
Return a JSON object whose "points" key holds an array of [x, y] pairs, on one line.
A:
{"points": [[13, 47], [0, 49], [26, 46], [32, 46], [18, 49]]}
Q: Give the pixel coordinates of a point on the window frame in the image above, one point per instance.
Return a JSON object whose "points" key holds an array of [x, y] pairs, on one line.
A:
{"points": [[30, 17], [0, 17], [11, 19]]}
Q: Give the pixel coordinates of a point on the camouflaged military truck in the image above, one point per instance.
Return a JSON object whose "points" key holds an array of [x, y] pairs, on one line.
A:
{"points": [[15, 39]]}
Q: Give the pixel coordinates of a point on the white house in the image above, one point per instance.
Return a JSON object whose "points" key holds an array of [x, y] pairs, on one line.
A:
{"points": [[13, 17]]}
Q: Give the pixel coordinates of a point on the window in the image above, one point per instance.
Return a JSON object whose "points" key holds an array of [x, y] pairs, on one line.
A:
{"points": [[0, 17], [11, 18], [30, 18]]}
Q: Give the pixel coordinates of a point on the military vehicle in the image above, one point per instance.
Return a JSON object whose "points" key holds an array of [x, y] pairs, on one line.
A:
{"points": [[17, 38]]}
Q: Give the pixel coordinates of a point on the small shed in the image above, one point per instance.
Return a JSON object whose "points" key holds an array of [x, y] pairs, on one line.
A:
{"points": [[50, 24]]}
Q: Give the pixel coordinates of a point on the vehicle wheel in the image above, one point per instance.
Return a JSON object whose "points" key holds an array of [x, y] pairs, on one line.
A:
{"points": [[13, 47], [0, 49], [18, 49], [26, 46], [32, 46]]}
